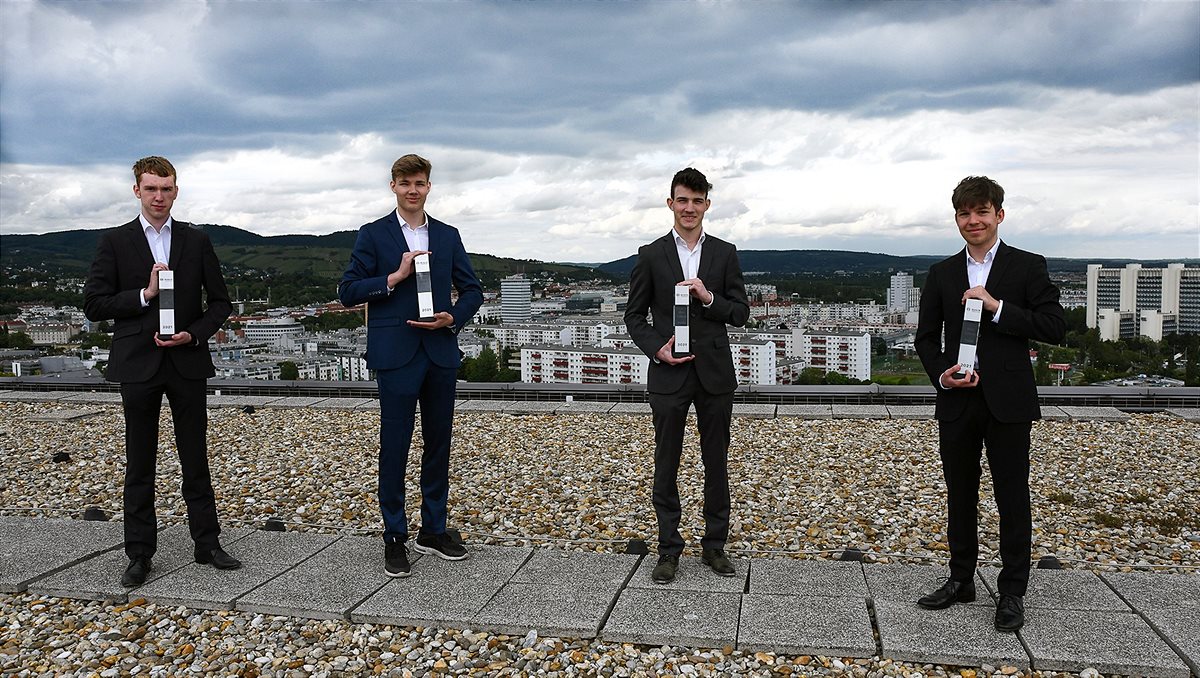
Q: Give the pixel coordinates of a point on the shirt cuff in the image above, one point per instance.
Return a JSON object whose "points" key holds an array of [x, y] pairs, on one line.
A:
{"points": [[999, 308], [142, 298], [712, 297]]}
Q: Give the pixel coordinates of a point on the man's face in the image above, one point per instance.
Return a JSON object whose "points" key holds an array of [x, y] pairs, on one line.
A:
{"points": [[411, 191], [978, 224], [689, 208], [157, 194]]}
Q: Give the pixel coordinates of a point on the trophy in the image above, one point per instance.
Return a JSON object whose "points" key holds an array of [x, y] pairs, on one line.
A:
{"points": [[972, 314], [166, 305], [424, 287], [682, 332]]}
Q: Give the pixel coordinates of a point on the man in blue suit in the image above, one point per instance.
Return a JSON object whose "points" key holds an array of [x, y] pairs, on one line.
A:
{"points": [[414, 360]]}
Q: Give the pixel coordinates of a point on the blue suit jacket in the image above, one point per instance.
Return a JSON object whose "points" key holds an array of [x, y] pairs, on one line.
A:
{"points": [[391, 342]]}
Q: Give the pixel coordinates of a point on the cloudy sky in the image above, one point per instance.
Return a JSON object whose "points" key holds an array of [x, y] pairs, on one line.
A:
{"points": [[554, 127]]}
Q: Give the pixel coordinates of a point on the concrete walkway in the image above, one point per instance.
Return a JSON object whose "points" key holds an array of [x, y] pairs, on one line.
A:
{"points": [[1126, 623]]}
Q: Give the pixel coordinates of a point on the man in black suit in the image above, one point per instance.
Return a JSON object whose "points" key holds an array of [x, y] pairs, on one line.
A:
{"points": [[709, 268], [123, 286], [994, 403]]}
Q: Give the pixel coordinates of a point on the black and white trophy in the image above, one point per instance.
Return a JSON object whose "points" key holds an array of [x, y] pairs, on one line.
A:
{"points": [[682, 331], [424, 287], [166, 305], [972, 314]]}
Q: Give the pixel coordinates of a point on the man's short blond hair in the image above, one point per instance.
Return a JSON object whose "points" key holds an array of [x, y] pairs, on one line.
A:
{"points": [[411, 164], [153, 164]]}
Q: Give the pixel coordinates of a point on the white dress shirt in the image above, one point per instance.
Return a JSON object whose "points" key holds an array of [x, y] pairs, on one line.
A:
{"points": [[978, 272], [160, 246], [417, 236], [689, 259]]}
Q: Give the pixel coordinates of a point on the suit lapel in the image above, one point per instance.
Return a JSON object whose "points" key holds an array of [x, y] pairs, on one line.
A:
{"points": [[138, 244], [999, 265], [395, 232], [436, 234], [707, 254], [178, 235], [671, 252], [959, 271]]}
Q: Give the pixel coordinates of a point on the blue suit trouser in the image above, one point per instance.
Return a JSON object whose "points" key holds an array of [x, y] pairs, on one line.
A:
{"points": [[400, 390]]}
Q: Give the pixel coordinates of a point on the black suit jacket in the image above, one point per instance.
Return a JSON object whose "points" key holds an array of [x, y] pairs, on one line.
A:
{"points": [[1030, 311], [119, 272], [652, 290]]}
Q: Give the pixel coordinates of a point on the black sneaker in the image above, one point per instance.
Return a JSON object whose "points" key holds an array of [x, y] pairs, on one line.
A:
{"points": [[440, 545], [395, 559]]}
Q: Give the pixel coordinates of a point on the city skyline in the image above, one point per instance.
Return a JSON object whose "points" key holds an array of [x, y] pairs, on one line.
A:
{"points": [[554, 128]]}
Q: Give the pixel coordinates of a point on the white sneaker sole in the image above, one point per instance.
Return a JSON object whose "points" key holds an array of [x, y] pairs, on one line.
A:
{"points": [[397, 575]]}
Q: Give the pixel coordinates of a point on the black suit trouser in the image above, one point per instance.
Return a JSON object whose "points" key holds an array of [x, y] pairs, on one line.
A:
{"points": [[142, 402], [714, 413], [961, 441]]}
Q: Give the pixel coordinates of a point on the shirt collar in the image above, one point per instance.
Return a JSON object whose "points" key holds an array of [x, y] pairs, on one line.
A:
{"points": [[147, 226], [987, 257], [680, 242], [405, 224]]}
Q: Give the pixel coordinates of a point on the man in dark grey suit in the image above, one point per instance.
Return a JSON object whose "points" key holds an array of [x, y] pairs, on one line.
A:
{"points": [[994, 404], [709, 268], [123, 286]]}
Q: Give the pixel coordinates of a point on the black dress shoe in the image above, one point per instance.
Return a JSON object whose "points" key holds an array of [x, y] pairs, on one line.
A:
{"points": [[718, 561], [135, 573], [1010, 613], [664, 572], [218, 558], [948, 594]]}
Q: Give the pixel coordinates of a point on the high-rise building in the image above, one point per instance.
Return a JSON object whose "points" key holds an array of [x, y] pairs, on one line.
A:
{"points": [[902, 297], [847, 353], [515, 306], [1149, 302]]}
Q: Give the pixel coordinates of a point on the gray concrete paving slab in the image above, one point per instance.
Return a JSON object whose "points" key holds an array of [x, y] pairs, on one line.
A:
{"points": [[443, 593], [287, 548], [342, 403], [572, 611], [99, 577], [910, 411], [71, 414], [482, 406], [207, 588], [298, 401], [1063, 590], [812, 625], [585, 407], [859, 411], [36, 396], [1155, 590], [906, 583], [32, 548], [551, 567], [1110, 642], [962, 635], [674, 617], [372, 404], [326, 586], [97, 397], [829, 578], [630, 408], [1189, 413], [805, 411], [1180, 628], [1095, 413], [754, 410], [532, 407], [1054, 413], [693, 575]]}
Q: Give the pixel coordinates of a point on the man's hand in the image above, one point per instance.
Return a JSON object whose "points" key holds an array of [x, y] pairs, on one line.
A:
{"points": [[181, 339], [440, 319], [664, 354], [979, 292], [152, 286], [969, 380], [405, 269], [698, 290]]}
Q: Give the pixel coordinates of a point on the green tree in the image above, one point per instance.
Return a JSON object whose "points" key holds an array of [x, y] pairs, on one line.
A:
{"points": [[17, 340], [482, 368], [1041, 369], [288, 371], [94, 339], [504, 373], [811, 375], [837, 379]]}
